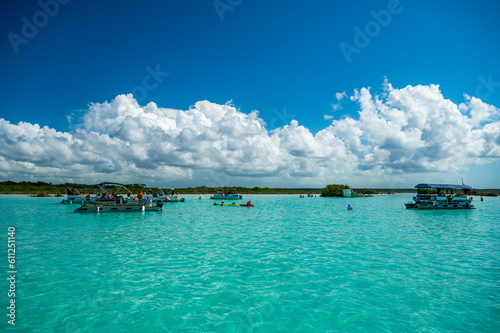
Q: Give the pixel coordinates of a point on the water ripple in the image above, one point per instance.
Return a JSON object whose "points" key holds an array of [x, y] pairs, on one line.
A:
{"points": [[288, 264]]}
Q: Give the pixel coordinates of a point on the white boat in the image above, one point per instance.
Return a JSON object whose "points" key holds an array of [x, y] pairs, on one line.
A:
{"points": [[440, 200], [75, 195], [221, 194], [165, 194], [109, 200]]}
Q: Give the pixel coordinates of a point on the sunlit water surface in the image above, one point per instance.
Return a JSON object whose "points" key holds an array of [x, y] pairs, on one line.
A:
{"points": [[286, 265]]}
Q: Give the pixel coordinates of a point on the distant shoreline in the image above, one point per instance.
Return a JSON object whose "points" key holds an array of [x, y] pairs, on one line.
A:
{"points": [[398, 191], [43, 188]]}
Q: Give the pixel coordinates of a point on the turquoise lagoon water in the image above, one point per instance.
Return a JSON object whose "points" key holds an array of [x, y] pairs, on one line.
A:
{"points": [[286, 265]]}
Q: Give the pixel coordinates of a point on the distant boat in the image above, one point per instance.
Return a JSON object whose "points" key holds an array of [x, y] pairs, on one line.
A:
{"points": [[221, 194], [166, 194], [440, 200], [74, 195]]}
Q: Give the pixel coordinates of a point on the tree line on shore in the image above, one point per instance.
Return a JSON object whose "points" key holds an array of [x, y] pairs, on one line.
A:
{"points": [[24, 187], [43, 188]]}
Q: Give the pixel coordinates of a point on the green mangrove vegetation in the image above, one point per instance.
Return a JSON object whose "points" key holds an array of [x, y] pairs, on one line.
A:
{"points": [[334, 190], [44, 189]]}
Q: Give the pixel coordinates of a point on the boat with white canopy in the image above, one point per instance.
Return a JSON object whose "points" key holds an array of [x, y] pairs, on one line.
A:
{"points": [[110, 199], [442, 196]]}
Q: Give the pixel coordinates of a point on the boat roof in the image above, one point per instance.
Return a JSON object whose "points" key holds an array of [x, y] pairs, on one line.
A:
{"points": [[444, 186], [105, 186]]}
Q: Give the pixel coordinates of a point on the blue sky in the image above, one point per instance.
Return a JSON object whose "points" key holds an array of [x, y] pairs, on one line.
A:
{"points": [[283, 59]]}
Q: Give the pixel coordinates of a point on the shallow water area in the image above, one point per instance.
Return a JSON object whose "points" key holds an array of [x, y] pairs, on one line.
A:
{"points": [[289, 264]]}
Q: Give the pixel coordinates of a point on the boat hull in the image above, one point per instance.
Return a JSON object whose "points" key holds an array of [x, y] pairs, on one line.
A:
{"points": [[70, 200], [440, 202], [171, 198], [410, 205], [226, 197], [440, 207], [106, 208]]}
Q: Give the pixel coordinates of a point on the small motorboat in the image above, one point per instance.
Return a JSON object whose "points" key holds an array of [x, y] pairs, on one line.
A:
{"points": [[221, 194], [76, 195], [165, 194]]}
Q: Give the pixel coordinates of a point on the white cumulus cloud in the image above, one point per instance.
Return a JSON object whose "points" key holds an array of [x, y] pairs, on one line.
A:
{"points": [[396, 135]]}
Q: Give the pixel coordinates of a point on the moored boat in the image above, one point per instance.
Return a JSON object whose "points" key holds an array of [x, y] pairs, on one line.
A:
{"points": [[75, 195], [109, 199], [221, 194], [165, 194], [440, 200]]}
